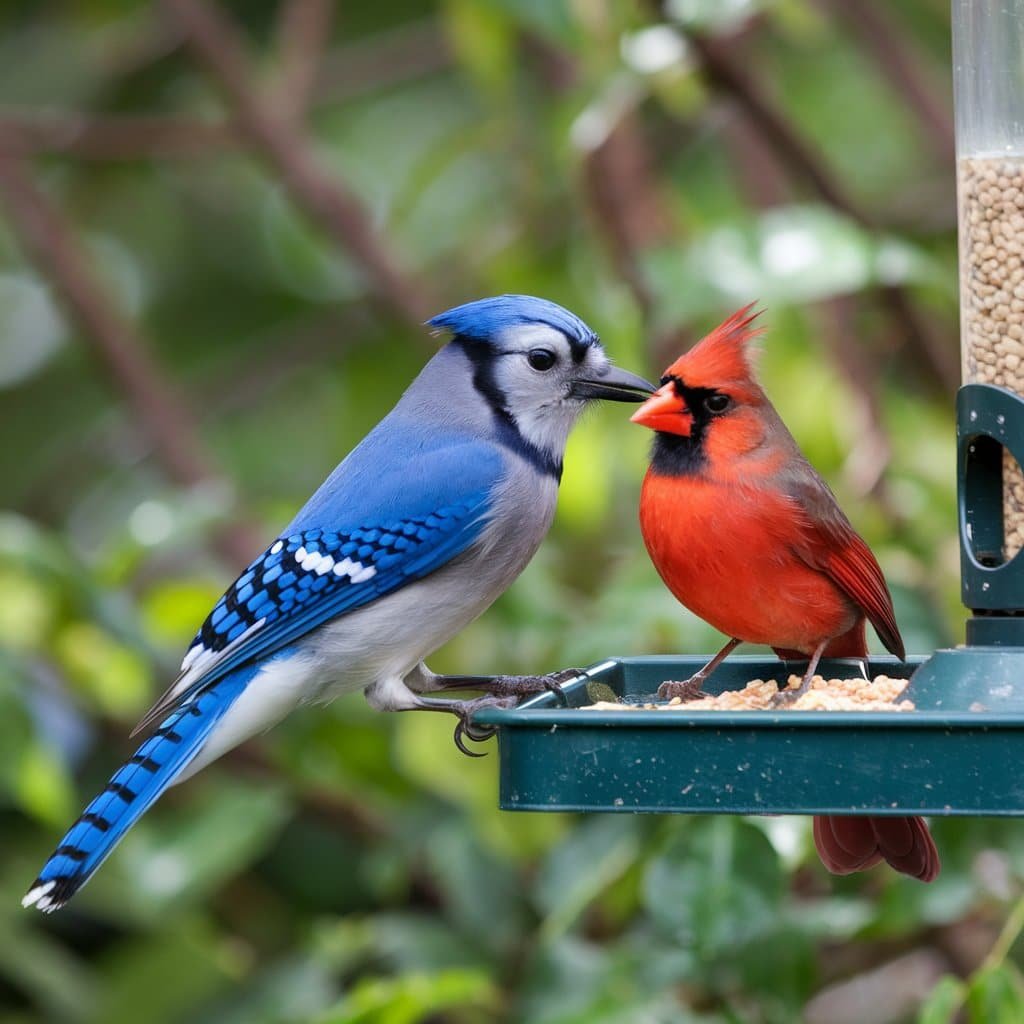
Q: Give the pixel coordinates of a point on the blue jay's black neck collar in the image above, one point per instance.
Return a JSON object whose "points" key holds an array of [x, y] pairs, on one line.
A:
{"points": [[481, 356]]}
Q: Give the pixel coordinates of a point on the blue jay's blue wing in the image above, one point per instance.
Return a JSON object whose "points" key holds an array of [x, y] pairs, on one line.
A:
{"points": [[313, 574]]}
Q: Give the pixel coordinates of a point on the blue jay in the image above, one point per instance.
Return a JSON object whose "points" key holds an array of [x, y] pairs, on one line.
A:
{"points": [[426, 522]]}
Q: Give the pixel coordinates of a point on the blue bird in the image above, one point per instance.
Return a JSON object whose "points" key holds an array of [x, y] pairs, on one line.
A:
{"points": [[425, 523]]}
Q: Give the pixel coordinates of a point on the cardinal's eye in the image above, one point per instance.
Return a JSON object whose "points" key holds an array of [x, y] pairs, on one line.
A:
{"points": [[541, 358], [716, 404]]}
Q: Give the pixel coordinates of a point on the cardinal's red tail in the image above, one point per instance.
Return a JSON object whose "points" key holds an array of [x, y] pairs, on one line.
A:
{"points": [[848, 844]]}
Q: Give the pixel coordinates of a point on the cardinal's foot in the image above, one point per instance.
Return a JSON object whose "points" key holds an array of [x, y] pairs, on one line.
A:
{"points": [[787, 698], [687, 690]]}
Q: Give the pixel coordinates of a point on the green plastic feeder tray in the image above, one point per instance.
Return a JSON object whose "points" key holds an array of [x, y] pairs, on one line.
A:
{"points": [[951, 756]]}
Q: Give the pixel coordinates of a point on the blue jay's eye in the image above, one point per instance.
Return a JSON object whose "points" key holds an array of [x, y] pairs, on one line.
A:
{"points": [[541, 358]]}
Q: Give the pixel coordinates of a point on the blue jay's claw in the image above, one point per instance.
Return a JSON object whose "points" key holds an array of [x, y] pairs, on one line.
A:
{"points": [[466, 729], [478, 735]]}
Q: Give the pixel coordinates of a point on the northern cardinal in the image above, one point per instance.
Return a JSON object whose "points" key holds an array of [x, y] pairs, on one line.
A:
{"points": [[748, 536]]}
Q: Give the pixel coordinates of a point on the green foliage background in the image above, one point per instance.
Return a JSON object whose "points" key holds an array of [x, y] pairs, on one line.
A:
{"points": [[352, 867]]}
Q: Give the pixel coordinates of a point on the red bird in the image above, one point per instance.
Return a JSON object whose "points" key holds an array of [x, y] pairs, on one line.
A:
{"points": [[749, 537]]}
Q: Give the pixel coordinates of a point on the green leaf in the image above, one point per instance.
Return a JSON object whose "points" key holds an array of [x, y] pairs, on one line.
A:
{"points": [[28, 609], [996, 996], [635, 977], [42, 786], [943, 1002], [173, 610], [464, 870], [718, 883], [550, 18], [166, 973], [579, 869], [295, 989], [42, 968], [409, 998], [793, 254], [111, 673], [484, 41], [402, 942]]}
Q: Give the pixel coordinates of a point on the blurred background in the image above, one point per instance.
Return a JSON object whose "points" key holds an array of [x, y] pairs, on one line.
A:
{"points": [[221, 225]]}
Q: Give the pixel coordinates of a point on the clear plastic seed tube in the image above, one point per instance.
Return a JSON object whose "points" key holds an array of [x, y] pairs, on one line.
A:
{"points": [[988, 74]]}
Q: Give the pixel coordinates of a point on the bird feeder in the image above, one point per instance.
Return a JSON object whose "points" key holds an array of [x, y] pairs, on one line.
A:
{"points": [[969, 700], [988, 67]]}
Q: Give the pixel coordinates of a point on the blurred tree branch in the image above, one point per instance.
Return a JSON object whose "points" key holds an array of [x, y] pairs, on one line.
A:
{"points": [[322, 77], [625, 197], [626, 201], [112, 137], [387, 59], [869, 456], [303, 31], [219, 47], [51, 243], [152, 36], [728, 77], [755, 164], [879, 37]]}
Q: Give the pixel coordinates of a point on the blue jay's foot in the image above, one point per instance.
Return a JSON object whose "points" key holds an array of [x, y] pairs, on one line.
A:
{"points": [[512, 686], [504, 692]]}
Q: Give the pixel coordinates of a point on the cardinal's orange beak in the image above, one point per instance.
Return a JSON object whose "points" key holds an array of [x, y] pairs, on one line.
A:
{"points": [[665, 411]]}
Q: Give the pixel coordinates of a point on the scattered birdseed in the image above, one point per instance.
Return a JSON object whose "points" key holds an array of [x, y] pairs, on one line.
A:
{"points": [[991, 193], [879, 694]]}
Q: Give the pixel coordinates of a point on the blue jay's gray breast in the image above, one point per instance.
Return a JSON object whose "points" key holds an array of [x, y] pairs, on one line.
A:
{"points": [[387, 639]]}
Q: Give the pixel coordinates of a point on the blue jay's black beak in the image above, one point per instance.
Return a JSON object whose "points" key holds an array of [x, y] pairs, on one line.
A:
{"points": [[614, 385]]}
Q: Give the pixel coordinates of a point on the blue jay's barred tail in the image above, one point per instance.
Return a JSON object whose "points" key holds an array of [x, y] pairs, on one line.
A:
{"points": [[132, 790]]}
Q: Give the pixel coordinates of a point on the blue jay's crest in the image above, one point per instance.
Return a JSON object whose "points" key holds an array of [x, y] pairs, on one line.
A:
{"points": [[486, 318]]}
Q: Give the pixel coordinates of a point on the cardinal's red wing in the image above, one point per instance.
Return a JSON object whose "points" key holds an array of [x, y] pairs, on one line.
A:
{"points": [[855, 570], [830, 544]]}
